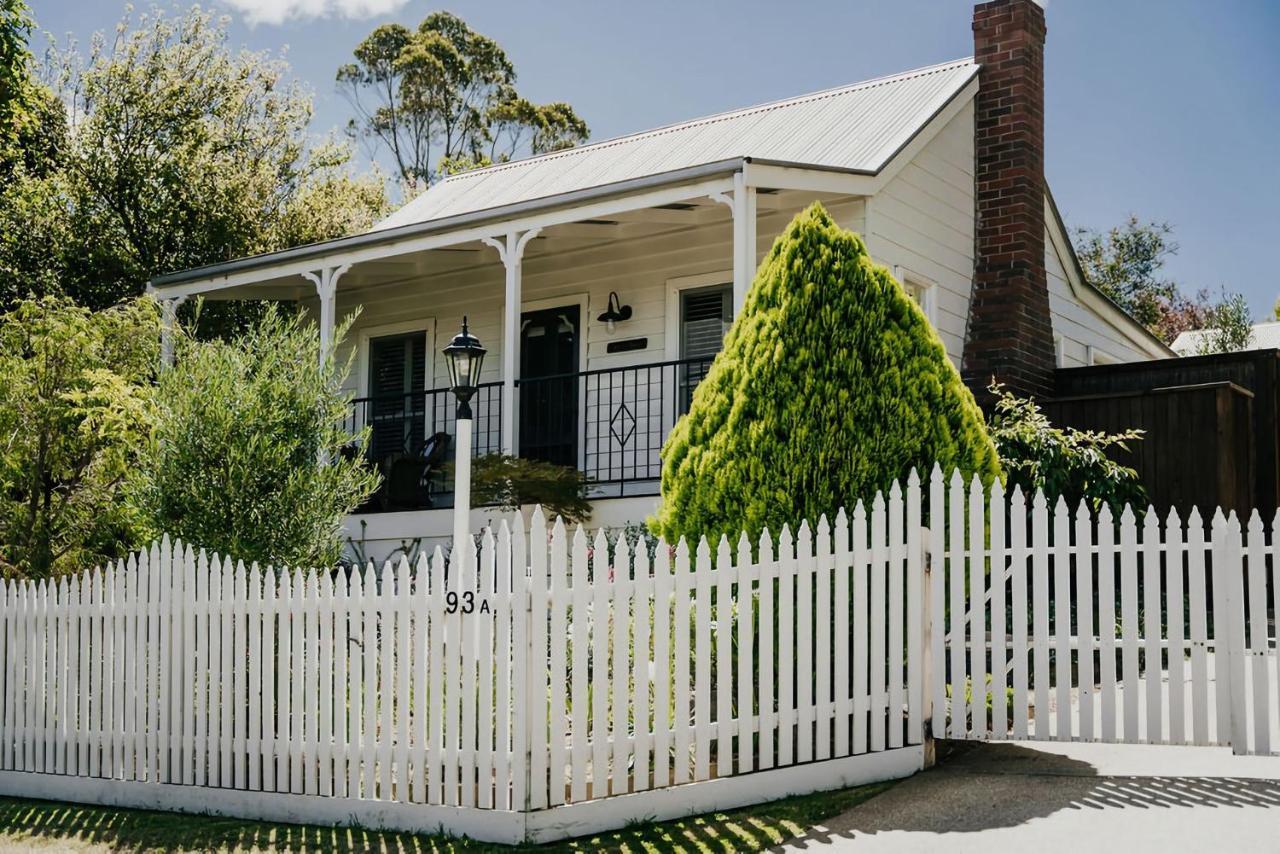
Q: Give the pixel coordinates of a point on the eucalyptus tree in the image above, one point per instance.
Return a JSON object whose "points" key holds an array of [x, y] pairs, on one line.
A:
{"points": [[442, 98]]}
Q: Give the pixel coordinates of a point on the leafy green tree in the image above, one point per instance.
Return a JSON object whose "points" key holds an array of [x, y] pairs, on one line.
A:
{"points": [[247, 455], [830, 386], [442, 99], [1126, 263], [178, 152], [16, 88], [1229, 326], [1068, 462], [75, 398]]}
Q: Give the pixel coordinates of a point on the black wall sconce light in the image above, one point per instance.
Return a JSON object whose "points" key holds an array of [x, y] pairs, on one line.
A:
{"points": [[615, 312]]}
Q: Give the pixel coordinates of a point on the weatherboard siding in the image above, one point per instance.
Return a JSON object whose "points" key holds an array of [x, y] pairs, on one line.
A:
{"points": [[1078, 326], [921, 222]]}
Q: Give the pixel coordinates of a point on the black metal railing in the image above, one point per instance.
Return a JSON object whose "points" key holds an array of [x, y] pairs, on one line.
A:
{"points": [[411, 441], [608, 422]]}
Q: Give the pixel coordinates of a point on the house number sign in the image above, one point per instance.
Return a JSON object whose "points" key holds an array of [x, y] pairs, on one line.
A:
{"points": [[467, 603]]}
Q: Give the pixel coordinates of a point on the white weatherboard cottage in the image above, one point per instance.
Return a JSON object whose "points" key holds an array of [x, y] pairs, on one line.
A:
{"points": [[602, 278]]}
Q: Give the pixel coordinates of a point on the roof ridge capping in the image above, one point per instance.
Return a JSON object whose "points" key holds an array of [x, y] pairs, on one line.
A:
{"points": [[725, 115]]}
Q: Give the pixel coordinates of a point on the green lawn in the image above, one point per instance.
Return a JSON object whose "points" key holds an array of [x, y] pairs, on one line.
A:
{"points": [[27, 825]]}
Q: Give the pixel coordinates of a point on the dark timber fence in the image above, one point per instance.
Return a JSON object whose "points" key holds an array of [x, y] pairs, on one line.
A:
{"points": [[1210, 422]]}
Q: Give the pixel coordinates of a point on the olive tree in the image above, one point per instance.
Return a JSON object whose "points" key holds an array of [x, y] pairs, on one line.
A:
{"points": [[247, 454]]}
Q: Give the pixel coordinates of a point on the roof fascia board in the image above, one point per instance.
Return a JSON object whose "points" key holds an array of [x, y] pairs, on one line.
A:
{"points": [[347, 251], [774, 175], [1088, 295]]}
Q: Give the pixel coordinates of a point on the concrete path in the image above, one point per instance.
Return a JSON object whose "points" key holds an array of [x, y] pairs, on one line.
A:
{"points": [[1079, 798]]}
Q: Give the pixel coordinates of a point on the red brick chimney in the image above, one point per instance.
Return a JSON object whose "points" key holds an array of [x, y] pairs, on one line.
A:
{"points": [[1010, 334]]}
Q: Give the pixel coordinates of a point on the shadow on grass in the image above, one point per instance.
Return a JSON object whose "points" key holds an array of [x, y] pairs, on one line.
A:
{"points": [[57, 826]]}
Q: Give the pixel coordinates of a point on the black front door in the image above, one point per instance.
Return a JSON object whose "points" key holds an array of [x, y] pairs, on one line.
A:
{"points": [[549, 385]]}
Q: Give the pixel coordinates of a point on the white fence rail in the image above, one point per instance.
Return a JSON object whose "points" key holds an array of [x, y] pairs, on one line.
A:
{"points": [[515, 698], [1064, 625]]}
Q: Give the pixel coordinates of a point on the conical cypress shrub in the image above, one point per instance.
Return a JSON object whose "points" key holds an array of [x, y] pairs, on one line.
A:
{"points": [[831, 385]]}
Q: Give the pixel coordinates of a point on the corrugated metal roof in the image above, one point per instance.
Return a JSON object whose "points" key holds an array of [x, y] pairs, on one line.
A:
{"points": [[1266, 336], [858, 127]]}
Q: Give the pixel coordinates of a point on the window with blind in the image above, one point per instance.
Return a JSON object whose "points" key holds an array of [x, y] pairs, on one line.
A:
{"points": [[397, 406], [705, 315]]}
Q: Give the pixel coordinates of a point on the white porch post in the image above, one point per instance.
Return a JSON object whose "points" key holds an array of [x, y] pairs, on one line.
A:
{"points": [[741, 202], [326, 281], [511, 252], [168, 324]]}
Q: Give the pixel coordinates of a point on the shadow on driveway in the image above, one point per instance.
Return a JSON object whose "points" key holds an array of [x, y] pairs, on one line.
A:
{"points": [[1009, 797]]}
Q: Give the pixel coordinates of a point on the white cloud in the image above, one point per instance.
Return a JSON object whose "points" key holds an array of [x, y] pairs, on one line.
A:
{"points": [[279, 11]]}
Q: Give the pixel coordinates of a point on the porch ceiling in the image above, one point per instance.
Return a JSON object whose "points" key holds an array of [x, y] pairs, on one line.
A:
{"points": [[398, 266]]}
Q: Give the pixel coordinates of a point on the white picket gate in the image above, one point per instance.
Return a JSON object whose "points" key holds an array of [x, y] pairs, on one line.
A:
{"points": [[553, 686], [1064, 625]]}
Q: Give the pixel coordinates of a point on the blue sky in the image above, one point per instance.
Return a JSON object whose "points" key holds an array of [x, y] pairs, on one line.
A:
{"points": [[1169, 110]]}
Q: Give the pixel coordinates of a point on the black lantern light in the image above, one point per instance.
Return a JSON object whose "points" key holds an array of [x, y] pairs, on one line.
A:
{"points": [[615, 312], [465, 356]]}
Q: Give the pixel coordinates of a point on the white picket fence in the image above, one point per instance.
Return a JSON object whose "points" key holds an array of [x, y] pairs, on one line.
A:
{"points": [[551, 686], [1073, 625], [556, 685]]}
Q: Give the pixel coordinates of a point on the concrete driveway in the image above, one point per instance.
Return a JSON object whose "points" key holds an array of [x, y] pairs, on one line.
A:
{"points": [[1078, 798]]}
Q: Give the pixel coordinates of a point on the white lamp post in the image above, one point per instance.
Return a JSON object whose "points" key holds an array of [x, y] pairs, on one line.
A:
{"points": [[464, 356]]}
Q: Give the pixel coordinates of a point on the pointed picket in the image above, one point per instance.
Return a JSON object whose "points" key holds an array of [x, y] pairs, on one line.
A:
{"points": [[979, 681], [956, 611], [1129, 624], [937, 605], [421, 611], [702, 671], [999, 651], [559, 676], [1062, 608], [661, 667], [600, 590], [805, 564], [1107, 623], [1258, 643], [438, 773], [271, 742], [1153, 636], [842, 661], [822, 640], [861, 630], [642, 609], [1040, 614], [284, 684], [1175, 619], [1197, 607], [682, 722], [481, 626], [1084, 618], [546, 587], [505, 660], [620, 590], [768, 720], [723, 659], [371, 688], [580, 636], [746, 570]]}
